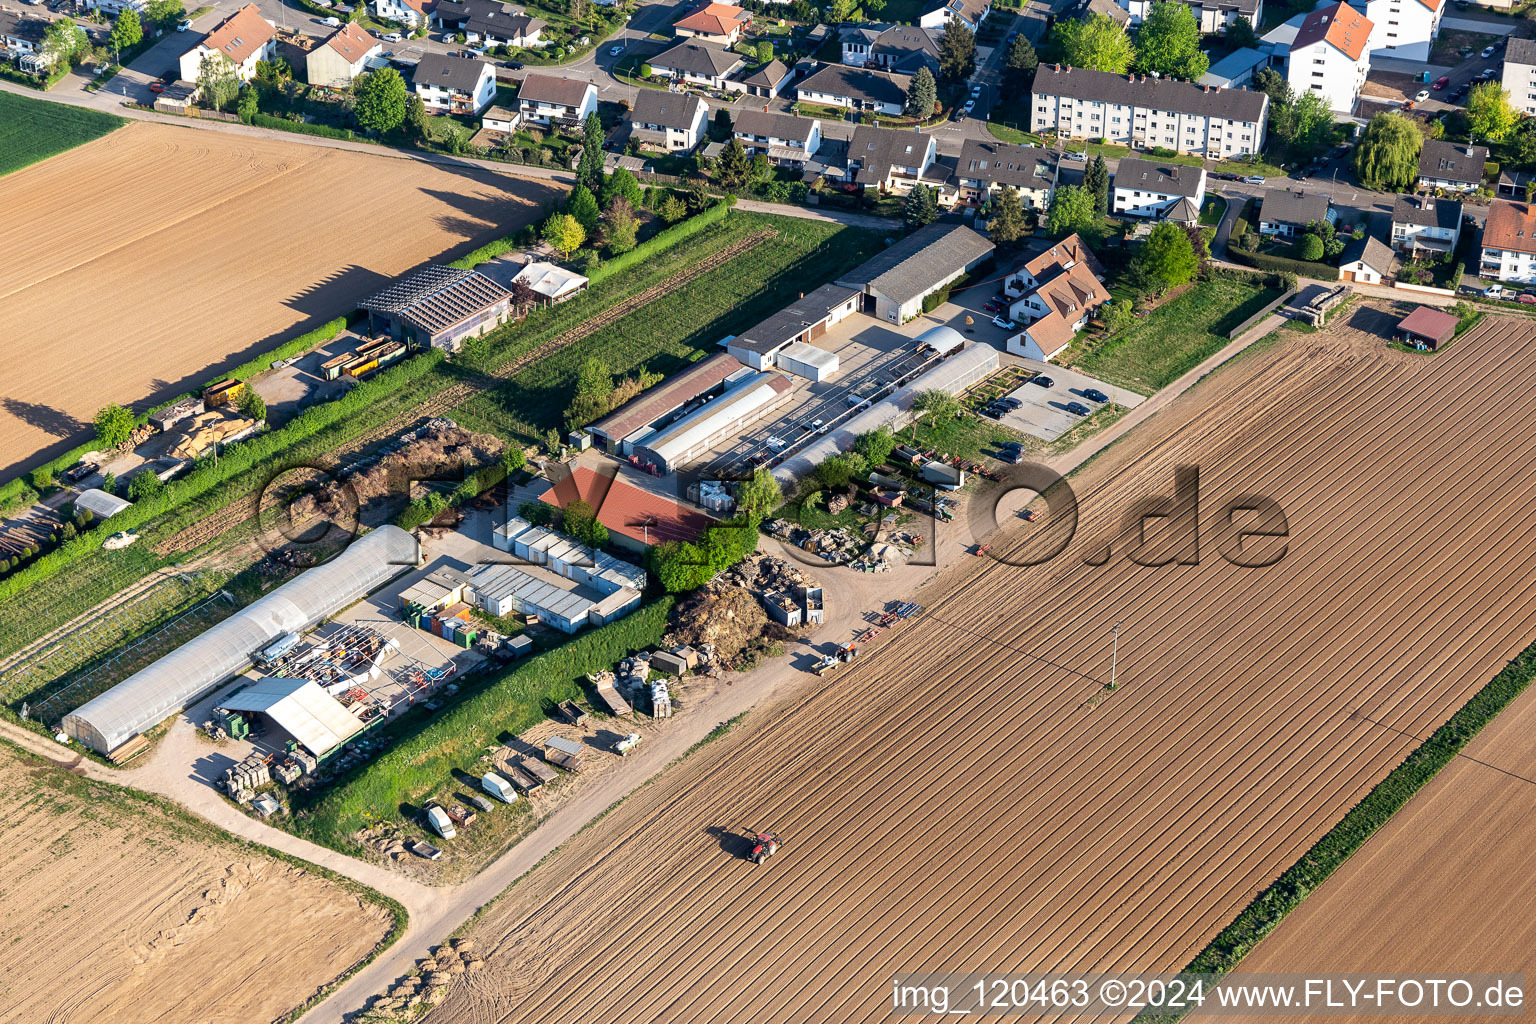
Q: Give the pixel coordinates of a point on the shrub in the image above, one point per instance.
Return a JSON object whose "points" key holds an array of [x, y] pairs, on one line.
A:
{"points": [[1264, 261]]}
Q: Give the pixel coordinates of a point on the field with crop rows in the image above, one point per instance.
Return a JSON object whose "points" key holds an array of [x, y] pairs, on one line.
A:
{"points": [[970, 794], [33, 130]]}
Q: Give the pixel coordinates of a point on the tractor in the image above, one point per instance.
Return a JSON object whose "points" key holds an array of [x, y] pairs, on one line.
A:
{"points": [[764, 845]]}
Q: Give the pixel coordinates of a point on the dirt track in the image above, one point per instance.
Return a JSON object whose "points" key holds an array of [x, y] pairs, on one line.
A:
{"points": [[971, 798], [155, 255], [119, 911]]}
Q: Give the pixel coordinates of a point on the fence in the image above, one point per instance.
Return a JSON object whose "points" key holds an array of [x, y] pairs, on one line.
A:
{"points": [[1426, 289], [1260, 316]]}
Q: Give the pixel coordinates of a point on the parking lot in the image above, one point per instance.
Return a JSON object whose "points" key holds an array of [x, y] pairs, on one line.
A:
{"points": [[1043, 411]]}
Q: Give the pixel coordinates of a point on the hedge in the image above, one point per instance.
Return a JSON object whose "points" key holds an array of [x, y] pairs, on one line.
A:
{"points": [[1285, 894], [509, 703], [304, 128], [490, 250], [1281, 264], [303, 343], [664, 239]]}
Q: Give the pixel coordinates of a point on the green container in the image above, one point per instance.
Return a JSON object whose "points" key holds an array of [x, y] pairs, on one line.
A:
{"points": [[237, 726], [464, 639]]}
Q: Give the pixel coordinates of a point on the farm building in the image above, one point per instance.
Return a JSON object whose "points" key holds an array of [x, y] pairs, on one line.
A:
{"points": [[637, 519], [956, 373], [149, 696], [567, 557], [299, 707], [744, 400], [1426, 328], [672, 398], [100, 504], [559, 602], [895, 283], [438, 307], [551, 283], [799, 323]]}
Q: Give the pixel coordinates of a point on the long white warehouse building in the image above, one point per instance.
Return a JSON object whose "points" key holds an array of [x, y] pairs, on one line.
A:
{"points": [[158, 691]]}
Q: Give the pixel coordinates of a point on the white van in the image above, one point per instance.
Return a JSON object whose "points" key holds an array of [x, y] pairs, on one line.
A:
{"points": [[332, 22], [440, 822], [498, 787]]}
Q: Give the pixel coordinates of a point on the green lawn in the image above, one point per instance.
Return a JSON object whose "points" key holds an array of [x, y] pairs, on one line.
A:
{"points": [[1214, 209], [1175, 337], [33, 130]]}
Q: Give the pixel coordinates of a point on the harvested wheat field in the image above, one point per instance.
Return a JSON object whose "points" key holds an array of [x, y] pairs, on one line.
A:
{"points": [[969, 796], [1447, 885], [118, 910], [158, 254]]}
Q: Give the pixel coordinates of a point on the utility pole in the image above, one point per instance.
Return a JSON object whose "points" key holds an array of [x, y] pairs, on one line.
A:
{"points": [[1114, 658]]}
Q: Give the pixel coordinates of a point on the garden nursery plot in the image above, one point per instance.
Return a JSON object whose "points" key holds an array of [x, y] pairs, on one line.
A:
{"points": [[973, 795]]}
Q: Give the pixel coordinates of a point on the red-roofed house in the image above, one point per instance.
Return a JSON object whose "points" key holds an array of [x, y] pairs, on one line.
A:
{"points": [[245, 37], [636, 518], [716, 23], [1061, 289], [337, 61], [1332, 55], [407, 12]]}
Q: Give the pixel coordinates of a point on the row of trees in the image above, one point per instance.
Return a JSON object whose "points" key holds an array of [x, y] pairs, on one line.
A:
{"points": [[1168, 43]]}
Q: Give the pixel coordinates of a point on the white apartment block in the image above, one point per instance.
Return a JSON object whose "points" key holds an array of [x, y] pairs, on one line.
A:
{"points": [[1332, 55], [1146, 188], [1520, 74], [1142, 112], [1509, 244], [1405, 29]]}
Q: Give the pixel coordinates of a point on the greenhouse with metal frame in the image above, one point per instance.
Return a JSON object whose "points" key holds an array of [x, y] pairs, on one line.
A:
{"points": [[158, 691]]}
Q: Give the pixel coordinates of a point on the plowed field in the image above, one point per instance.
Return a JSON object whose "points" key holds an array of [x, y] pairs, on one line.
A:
{"points": [[140, 263], [969, 796], [118, 910], [1447, 885]]}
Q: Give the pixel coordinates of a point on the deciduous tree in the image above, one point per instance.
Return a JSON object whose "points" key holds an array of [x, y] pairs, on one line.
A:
{"points": [[1169, 42], [621, 183], [381, 100], [1167, 257], [126, 31], [1098, 43], [619, 226], [1490, 116], [113, 425], [1071, 210], [564, 233], [1387, 155], [217, 79], [759, 494], [64, 42]]}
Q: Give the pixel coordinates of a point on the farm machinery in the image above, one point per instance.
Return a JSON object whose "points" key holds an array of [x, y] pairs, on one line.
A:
{"points": [[764, 845], [842, 656]]}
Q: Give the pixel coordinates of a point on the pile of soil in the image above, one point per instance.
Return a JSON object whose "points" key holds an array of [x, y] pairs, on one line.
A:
{"points": [[728, 612]]}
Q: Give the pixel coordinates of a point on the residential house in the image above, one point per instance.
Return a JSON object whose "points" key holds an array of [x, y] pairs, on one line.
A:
{"points": [[894, 282], [1520, 73], [546, 99], [341, 58], [1213, 16], [1054, 294], [1085, 9], [714, 23], [245, 37], [696, 62], [1405, 29], [1143, 112], [888, 158], [1331, 55], [1144, 188], [786, 140], [1451, 166], [986, 166], [902, 49], [766, 81], [1423, 222], [1365, 260], [501, 119], [489, 23], [1509, 243], [1288, 213], [856, 89], [410, 13], [454, 85], [112, 8], [20, 32], [970, 13], [669, 121]]}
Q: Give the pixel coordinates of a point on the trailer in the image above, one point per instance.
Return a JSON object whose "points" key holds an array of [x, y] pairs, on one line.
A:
{"points": [[537, 770], [628, 743], [563, 752], [225, 392], [571, 712], [422, 848], [603, 681]]}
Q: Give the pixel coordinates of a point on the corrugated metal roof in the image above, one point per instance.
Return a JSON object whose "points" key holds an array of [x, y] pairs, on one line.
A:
{"points": [[302, 709]]}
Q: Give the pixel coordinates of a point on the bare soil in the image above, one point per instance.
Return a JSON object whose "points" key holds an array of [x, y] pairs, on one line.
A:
{"points": [[156, 255], [117, 910], [970, 795]]}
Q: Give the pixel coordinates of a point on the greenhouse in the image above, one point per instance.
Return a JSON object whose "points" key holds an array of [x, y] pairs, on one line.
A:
{"points": [[180, 678]]}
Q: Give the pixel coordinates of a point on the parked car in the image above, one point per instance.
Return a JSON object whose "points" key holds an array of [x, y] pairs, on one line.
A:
{"points": [[1077, 409], [1007, 325], [1489, 51], [1044, 382], [182, 26], [970, 105], [514, 65], [1442, 82], [1081, 154], [1253, 179], [1494, 291], [614, 51], [1525, 299], [393, 37], [1094, 394], [157, 86], [992, 306], [335, 22], [1488, 74], [1421, 96], [991, 414], [1012, 403], [975, 92]]}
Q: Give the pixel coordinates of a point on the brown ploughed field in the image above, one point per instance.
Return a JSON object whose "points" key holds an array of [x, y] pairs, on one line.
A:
{"points": [[117, 910], [143, 261], [1447, 885], [968, 796]]}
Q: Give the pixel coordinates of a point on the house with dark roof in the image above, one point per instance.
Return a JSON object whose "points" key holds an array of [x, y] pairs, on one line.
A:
{"points": [[894, 282], [714, 23], [490, 23], [244, 37], [1144, 112], [341, 58], [797, 325], [1452, 166], [551, 99], [901, 49], [1365, 260], [786, 140], [438, 307], [1519, 76], [889, 158], [986, 166], [1166, 191], [1424, 222], [1288, 213], [696, 62], [1509, 243], [449, 84], [21, 32], [970, 13], [1054, 294], [1213, 16], [669, 121], [767, 80], [835, 85], [1331, 55]]}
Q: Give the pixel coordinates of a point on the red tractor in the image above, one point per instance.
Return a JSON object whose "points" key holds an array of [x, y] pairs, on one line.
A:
{"points": [[765, 845]]}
